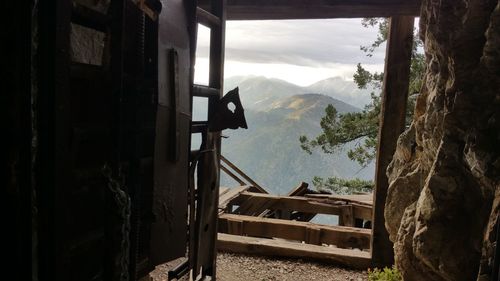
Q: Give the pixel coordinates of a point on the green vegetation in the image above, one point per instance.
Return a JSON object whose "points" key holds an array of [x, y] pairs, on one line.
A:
{"points": [[343, 186], [387, 274], [361, 128]]}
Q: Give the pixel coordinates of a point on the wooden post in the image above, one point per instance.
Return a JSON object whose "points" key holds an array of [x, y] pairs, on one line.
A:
{"points": [[392, 124], [347, 216]]}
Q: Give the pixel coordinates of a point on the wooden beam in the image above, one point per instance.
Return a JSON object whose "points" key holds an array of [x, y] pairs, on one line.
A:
{"points": [[261, 202], [231, 174], [299, 190], [229, 194], [257, 203], [318, 9], [311, 233], [362, 199], [362, 204], [245, 176], [207, 19], [271, 247], [392, 124], [347, 216]]}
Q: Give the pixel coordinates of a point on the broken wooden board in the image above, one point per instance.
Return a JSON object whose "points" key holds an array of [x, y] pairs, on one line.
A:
{"points": [[227, 195], [255, 187], [300, 190], [362, 206], [363, 199], [310, 233], [279, 248], [254, 204]]}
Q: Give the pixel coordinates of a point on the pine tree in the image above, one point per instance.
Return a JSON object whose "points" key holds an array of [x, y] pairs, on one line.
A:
{"points": [[362, 127]]}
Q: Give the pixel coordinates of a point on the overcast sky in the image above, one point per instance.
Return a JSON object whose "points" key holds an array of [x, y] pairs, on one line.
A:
{"points": [[298, 51]]}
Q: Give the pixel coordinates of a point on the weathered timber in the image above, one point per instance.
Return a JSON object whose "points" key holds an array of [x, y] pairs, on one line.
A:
{"points": [[229, 194], [347, 216], [206, 18], [272, 247], [208, 196], [362, 199], [231, 174], [256, 186], [223, 190], [257, 203], [300, 190], [311, 233], [260, 202], [254, 207], [318, 9], [392, 124]]}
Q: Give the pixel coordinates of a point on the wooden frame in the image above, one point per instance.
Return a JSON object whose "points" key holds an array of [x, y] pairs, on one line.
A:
{"points": [[256, 203], [271, 247], [394, 96], [309, 233], [318, 9], [392, 124]]}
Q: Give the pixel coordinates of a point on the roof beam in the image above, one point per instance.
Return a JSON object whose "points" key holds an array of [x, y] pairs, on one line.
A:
{"points": [[319, 9]]}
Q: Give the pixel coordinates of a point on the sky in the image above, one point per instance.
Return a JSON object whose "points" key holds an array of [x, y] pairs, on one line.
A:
{"points": [[301, 52]]}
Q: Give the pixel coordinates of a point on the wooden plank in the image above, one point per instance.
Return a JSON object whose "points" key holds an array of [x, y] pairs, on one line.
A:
{"points": [[300, 190], [205, 91], [90, 18], [235, 227], [245, 176], [318, 9], [231, 174], [392, 123], [347, 216], [271, 247], [206, 258], [359, 199], [229, 195], [341, 236], [254, 207], [264, 204], [313, 236], [362, 212], [223, 190], [300, 204], [207, 19]]}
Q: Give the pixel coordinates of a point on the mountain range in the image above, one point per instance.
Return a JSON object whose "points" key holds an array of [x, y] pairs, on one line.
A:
{"points": [[277, 114]]}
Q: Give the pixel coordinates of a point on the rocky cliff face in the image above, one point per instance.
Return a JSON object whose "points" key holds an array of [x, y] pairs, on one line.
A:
{"points": [[443, 198]]}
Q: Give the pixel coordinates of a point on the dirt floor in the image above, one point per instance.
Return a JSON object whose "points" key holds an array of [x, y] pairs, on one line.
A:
{"points": [[233, 267]]}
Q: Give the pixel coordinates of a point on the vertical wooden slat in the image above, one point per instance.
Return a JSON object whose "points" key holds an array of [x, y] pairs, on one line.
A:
{"points": [[392, 124], [313, 235], [216, 80], [347, 216]]}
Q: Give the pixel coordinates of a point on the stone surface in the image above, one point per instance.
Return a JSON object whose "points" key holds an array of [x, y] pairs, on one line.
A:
{"points": [[88, 45], [446, 169]]}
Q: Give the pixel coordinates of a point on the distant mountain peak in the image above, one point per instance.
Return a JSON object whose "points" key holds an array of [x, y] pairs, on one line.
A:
{"points": [[260, 92], [313, 104]]}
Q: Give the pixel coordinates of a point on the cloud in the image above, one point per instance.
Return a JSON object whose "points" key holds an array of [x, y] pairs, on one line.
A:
{"points": [[313, 43]]}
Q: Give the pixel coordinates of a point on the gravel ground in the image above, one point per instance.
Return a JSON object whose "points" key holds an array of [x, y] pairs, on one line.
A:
{"points": [[235, 267], [232, 267]]}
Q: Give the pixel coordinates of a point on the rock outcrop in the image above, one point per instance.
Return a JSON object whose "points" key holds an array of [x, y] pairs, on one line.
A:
{"points": [[443, 199]]}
